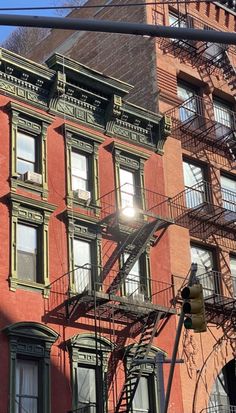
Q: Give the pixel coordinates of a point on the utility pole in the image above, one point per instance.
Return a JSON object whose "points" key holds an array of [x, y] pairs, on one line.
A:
{"points": [[105, 26]]}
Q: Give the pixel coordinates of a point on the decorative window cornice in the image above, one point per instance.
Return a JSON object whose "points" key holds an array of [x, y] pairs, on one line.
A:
{"points": [[37, 213]]}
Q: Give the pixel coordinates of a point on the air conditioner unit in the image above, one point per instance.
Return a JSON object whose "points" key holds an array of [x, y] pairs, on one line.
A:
{"points": [[33, 178], [84, 195]]}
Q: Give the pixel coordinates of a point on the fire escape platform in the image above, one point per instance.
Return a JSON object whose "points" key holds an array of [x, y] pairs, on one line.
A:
{"points": [[106, 305]]}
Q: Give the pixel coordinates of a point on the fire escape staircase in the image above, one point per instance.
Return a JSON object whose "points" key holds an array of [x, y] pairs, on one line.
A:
{"points": [[138, 242], [135, 371]]}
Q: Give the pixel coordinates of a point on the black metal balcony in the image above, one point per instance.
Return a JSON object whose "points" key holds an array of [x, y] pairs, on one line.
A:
{"points": [[219, 408], [84, 408], [194, 124], [206, 210]]}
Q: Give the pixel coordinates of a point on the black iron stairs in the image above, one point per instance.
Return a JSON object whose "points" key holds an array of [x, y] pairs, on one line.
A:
{"points": [[139, 242], [229, 73], [135, 370]]}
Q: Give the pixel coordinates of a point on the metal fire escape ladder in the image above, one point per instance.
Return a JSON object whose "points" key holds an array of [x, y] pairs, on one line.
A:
{"points": [[229, 72], [139, 242], [135, 371]]}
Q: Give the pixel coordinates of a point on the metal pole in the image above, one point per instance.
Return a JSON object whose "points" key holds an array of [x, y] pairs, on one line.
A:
{"points": [[105, 26], [176, 344]]}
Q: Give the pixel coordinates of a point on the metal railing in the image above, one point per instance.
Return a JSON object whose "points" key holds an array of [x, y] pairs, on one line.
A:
{"points": [[142, 200], [219, 408], [86, 280], [198, 114]]}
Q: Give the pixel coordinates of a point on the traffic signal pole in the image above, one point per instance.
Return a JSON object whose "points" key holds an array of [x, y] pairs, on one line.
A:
{"points": [[192, 276], [107, 26]]}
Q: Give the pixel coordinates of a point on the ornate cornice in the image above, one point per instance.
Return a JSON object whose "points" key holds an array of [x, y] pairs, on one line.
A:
{"points": [[71, 90]]}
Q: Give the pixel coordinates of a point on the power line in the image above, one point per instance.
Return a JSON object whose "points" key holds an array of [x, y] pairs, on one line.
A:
{"points": [[103, 5]]}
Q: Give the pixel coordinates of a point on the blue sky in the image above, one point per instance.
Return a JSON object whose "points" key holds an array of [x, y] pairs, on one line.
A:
{"points": [[6, 30]]}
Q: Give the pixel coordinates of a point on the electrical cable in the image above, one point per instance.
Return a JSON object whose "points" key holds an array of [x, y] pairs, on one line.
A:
{"points": [[102, 5]]}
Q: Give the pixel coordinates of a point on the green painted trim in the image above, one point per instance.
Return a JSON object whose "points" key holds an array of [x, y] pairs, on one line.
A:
{"points": [[37, 213], [132, 151], [34, 340], [82, 350], [86, 144], [37, 116], [87, 231], [36, 126]]}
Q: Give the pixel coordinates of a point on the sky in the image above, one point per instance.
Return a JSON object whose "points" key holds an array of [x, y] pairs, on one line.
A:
{"points": [[6, 30]]}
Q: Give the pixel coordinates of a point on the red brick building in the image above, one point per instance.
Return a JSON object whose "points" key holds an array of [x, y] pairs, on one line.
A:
{"points": [[186, 180], [194, 83], [86, 287]]}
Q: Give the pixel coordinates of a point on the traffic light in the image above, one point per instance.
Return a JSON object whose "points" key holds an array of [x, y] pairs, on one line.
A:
{"points": [[194, 307]]}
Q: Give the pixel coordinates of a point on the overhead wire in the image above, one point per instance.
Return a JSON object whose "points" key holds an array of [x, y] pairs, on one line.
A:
{"points": [[92, 6]]}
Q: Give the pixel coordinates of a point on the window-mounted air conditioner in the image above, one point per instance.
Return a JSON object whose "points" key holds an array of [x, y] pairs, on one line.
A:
{"points": [[84, 196], [32, 178]]}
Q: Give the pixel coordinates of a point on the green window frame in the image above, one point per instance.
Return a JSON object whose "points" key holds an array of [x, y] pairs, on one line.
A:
{"points": [[27, 122], [35, 214], [83, 230], [84, 143], [89, 352], [154, 375], [131, 160], [31, 341]]}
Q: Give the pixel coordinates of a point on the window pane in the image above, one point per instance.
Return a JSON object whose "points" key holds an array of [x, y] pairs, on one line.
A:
{"points": [[133, 282], [233, 273], [189, 109], [79, 165], [228, 191], [127, 187], [204, 260], [193, 175], [26, 386], [86, 380], [25, 152], [26, 252], [141, 399], [82, 256]]}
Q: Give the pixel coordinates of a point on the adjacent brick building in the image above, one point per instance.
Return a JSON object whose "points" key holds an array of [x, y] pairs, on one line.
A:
{"points": [[187, 180]]}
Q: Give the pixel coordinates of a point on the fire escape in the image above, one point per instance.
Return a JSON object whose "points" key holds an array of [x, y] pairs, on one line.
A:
{"points": [[132, 229], [194, 121], [200, 209]]}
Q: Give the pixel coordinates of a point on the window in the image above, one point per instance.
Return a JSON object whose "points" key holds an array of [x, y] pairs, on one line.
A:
{"points": [[30, 345], [137, 282], [232, 262], [228, 192], [89, 362], [27, 386], [204, 259], [82, 167], [26, 252], [29, 239], [141, 399], [129, 176], [29, 149], [149, 394], [80, 172], [84, 254], [194, 184], [223, 117], [188, 95], [222, 396], [26, 153], [82, 258], [176, 20], [87, 394], [127, 188]]}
